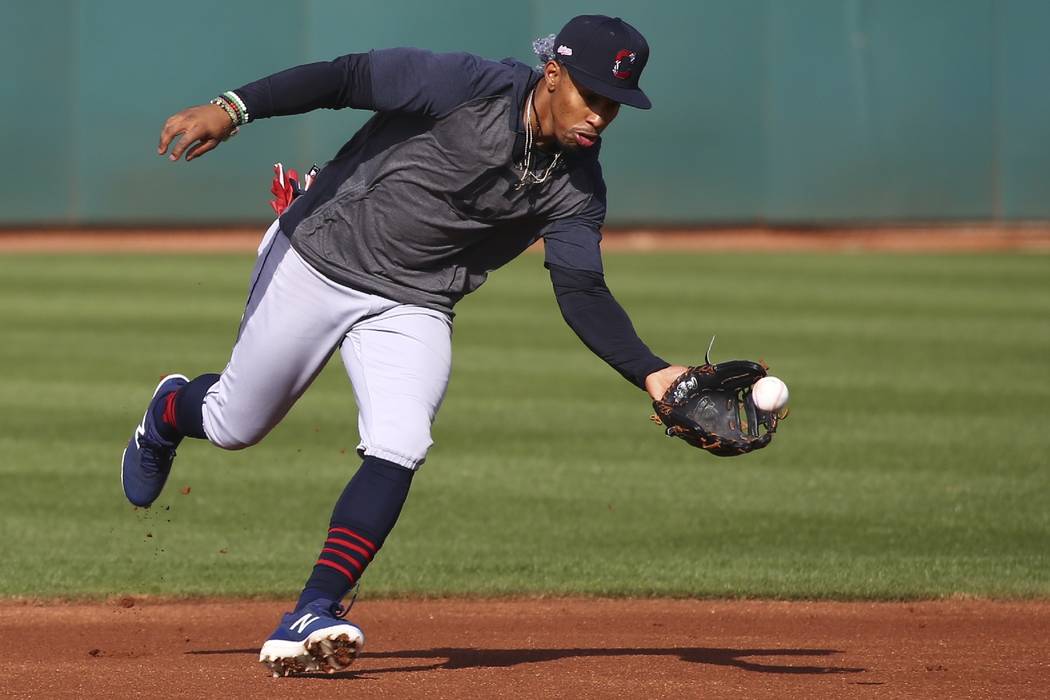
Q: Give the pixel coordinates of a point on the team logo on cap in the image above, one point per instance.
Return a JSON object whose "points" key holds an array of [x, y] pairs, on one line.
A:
{"points": [[622, 65]]}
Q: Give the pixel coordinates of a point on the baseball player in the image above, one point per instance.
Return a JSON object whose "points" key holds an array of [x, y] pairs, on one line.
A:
{"points": [[465, 163]]}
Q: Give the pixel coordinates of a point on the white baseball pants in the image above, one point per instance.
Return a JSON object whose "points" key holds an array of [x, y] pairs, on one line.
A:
{"points": [[397, 356]]}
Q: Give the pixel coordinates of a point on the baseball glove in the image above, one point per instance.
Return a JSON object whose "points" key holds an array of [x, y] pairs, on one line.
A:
{"points": [[710, 407]]}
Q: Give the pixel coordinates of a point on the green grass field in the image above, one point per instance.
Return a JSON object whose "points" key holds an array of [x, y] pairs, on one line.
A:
{"points": [[914, 463]]}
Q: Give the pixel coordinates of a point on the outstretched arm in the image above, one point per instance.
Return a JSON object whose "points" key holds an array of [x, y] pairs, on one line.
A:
{"points": [[344, 82], [601, 323], [389, 80], [572, 248]]}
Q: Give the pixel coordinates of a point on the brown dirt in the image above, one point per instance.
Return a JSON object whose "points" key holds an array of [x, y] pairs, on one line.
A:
{"points": [[956, 238], [541, 648]]}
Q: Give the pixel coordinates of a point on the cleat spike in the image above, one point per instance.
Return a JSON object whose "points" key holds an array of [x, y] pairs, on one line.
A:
{"points": [[312, 639]]}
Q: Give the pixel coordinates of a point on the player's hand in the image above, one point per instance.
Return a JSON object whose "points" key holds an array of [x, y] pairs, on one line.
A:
{"points": [[198, 129], [658, 382]]}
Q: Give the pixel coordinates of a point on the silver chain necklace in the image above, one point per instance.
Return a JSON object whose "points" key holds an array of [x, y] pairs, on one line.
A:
{"points": [[528, 177]]}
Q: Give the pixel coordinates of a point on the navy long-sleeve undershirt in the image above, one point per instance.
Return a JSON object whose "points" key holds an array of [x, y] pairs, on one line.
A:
{"points": [[343, 82], [597, 318]]}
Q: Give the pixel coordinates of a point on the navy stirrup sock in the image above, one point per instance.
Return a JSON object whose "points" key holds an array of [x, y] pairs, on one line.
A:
{"points": [[181, 414], [363, 517]]}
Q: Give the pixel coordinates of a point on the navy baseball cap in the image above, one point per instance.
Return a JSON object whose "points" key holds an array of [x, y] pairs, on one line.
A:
{"points": [[605, 55]]}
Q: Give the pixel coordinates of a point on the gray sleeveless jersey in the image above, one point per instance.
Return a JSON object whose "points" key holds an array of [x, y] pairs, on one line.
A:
{"points": [[430, 203]]}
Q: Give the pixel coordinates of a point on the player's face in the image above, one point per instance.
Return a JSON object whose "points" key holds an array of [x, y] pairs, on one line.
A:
{"points": [[579, 115]]}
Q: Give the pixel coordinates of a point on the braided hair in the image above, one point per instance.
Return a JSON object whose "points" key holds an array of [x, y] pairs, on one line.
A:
{"points": [[543, 47]]}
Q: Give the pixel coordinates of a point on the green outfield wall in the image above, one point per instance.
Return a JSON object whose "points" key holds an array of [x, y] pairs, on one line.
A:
{"points": [[783, 111]]}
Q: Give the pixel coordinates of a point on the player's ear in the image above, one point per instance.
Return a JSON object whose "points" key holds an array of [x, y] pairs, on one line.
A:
{"points": [[552, 74]]}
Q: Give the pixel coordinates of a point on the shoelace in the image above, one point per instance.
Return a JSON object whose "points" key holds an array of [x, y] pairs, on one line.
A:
{"points": [[339, 610], [151, 452]]}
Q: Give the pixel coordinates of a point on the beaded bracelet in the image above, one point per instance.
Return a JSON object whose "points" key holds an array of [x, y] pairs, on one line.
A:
{"points": [[238, 104], [235, 107], [229, 113], [218, 102]]}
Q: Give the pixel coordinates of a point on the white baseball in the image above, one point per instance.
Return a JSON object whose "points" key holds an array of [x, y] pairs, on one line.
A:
{"points": [[769, 394]]}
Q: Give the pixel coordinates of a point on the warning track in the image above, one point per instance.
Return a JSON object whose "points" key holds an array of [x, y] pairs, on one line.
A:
{"points": [[1031, 238]]}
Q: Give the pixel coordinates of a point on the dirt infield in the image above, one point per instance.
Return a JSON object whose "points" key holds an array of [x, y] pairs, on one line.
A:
{"points": [[975, 238], [541, 648]]}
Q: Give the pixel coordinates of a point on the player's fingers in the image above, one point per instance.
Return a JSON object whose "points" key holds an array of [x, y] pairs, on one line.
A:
{"points": [[191, 136], [170, 130], [199, 149]]}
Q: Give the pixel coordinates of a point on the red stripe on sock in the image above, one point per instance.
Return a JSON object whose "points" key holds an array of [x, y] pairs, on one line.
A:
{"points": [[356, 536], [337, 567], [350, 545], [344, 555], [169, 410]]}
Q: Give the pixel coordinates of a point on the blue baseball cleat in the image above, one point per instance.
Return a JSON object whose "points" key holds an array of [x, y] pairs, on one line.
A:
{"points": [[147, 459], [313, 638]]}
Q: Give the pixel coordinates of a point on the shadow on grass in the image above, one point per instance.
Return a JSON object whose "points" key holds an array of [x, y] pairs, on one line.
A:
{"points": [[458, 658]]}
